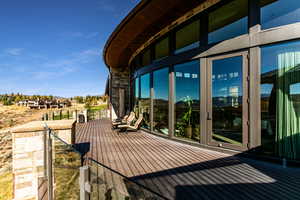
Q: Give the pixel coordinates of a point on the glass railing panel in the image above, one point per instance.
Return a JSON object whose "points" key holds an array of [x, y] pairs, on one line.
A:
{"points": [[97, 114], [66, 164], [109, 184]]}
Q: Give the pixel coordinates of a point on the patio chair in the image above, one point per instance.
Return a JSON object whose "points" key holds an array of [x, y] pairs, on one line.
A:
{"points": [[128, 127], [128, 121], [120, 119]]}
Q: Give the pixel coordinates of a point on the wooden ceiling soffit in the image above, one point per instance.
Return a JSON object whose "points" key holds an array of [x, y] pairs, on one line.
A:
{"points": [[203, 6]]}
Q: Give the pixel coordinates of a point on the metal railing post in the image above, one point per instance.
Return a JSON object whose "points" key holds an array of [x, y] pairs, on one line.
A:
{"points": [[45, 151], [49, 166], [84, 183]]}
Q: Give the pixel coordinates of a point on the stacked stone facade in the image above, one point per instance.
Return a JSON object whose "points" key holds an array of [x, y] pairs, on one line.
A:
{"points": [[28, 154], [119, 80]]}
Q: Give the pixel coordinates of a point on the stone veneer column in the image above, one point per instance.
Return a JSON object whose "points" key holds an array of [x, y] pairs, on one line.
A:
{"points": [[28, 154], [119, 80]]}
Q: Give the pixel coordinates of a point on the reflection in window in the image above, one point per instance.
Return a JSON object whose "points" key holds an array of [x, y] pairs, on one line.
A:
{"points": [[136, 96], [228, 21], [279, 12], [146, 59], [188, 37], [227, 98], [136, 62], [187, 100], [160, 100], [162, 49], [280, 100], [144, 101]]}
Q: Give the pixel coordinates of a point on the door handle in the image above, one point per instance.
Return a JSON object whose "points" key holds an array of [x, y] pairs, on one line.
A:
{"points": [[209, 117]]}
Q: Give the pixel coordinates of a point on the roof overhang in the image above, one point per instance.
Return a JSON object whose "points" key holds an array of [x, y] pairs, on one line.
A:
{"points": [[143, 22]]}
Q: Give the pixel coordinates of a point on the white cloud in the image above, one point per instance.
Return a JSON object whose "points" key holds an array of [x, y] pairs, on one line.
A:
{"points": [[14, 51], [89, 52], [72, 63], [70, 34], [42, 75], [107, 6], [92, 35]]}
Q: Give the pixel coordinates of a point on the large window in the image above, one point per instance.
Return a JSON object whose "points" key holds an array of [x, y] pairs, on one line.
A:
{"points": [[160, 100], [187, 101], [162, 48], [188, 37], [279, 12], [280, 100], [144, 101], [228, 21]]}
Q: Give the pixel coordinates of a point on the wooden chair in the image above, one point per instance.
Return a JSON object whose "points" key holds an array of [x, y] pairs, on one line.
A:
{"points": [[128, 127], [128, 121]]}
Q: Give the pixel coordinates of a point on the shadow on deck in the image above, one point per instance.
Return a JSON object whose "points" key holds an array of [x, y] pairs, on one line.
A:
{"points": [[179, 171]]}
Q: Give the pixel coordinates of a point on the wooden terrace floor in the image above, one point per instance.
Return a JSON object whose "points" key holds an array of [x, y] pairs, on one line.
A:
{"points": [[179, 171]]}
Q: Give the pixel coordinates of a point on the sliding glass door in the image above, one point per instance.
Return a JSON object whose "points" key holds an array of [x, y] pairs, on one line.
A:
{"points": [[227, 101], [144, 101], [161, 100]]}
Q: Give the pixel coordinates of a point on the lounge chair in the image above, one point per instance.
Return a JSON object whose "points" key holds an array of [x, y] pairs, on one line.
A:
{"points": [[128, 127], [129, 120], [120, 119]]}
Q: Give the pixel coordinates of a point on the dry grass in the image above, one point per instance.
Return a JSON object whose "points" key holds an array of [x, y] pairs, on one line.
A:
{"points": [[6, 186], [15, 115]]}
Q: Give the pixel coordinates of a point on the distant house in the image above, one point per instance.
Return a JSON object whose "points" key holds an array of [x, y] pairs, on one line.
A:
{"points": [[41, 104]]}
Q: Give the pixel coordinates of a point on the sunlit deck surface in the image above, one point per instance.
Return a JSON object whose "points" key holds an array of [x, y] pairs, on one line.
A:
{"points": [[179, 171]]}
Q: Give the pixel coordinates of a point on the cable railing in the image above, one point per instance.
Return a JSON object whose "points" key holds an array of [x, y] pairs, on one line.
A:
{"points": [[98, 114], [68, 178]]}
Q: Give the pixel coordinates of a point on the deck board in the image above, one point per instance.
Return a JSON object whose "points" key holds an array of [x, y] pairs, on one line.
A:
{"points": [[180, 171]]}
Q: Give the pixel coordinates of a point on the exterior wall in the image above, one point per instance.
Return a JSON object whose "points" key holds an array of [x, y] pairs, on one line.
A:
{"points": [[119, 80], [248, 43]]}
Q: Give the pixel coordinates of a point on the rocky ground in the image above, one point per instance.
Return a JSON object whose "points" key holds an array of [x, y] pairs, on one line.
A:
{"points": [[5, 152]]}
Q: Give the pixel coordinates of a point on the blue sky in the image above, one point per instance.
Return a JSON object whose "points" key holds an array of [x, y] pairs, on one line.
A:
{"points": [[55, 47]]}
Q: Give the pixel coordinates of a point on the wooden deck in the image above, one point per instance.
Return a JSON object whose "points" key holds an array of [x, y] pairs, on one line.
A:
{"points": [[179, 171]]}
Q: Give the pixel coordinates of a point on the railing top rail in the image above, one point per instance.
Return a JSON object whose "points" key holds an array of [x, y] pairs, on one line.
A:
{"points": [[52, 133]]}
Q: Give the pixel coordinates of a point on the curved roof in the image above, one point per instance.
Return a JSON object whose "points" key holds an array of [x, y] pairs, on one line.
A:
{"points": [[144, 21]]}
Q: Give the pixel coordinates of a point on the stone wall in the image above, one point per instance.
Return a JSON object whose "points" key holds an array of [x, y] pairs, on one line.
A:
{"points": [[119, 80], [28, 154]]}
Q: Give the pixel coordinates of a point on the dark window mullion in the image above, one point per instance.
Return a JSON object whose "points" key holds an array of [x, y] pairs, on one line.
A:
{"points": [[172, 43], [253, 14], [203, 29]]}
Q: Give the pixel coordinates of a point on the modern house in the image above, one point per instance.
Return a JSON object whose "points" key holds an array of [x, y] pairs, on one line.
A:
{"points": [[222, 74]]}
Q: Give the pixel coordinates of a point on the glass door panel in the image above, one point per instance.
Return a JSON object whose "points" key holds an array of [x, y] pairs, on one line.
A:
{"points": [[228, 101]]}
